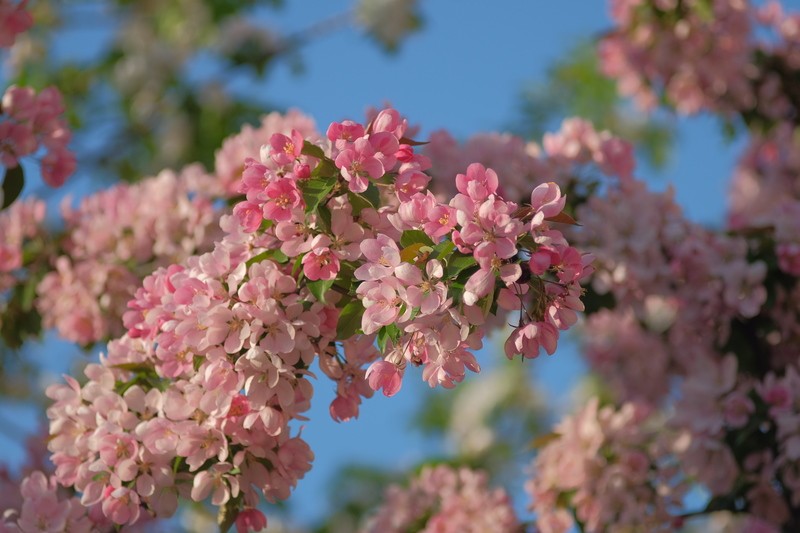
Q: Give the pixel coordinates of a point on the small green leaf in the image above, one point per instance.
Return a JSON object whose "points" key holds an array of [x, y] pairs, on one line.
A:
{"points": [[319, 288], [273, 255], [457, 263], [324, 219], [443, 250], [134, 367], [313, 150], [415, 236], [325, 169], [382, 339], [349, 320], [386, 334], [373, 195], [12, 185], [359, 202], [315, 191]]}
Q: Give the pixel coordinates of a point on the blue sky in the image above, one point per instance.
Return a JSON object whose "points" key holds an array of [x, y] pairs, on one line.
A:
{"points": [[462, 72]]}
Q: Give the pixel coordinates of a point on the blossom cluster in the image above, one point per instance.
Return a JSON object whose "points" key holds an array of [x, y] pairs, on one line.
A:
{"points": [[667, 277], [704, 55], [337, 253], [443, 499], [561, 158], [719, 403], [85, 276], [44, 510], [29, 121], [115, 238], [14, 19], [611, 467]]}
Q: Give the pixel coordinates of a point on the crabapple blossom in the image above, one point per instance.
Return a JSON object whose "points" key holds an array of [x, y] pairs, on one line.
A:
{"points": [[445, 499], [29, 121], [318, 265], [610, 466]]}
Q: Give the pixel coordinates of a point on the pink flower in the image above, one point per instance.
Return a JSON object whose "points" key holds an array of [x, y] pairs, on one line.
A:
{"points": [[282, 197], [215, 481], [546, 202], [286, 149], [358, 163], [344, 133], [320, 262], [250, 520], [249, 215], [530, 338], [381, 303], [121, 505], [384, 375], [344, 408], [383, 256], [478, 183]]}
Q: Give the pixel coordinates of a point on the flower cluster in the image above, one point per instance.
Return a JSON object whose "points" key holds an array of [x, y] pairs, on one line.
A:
{"points": [[44, 510], [29, 121], [761, 418], [561, 157], [14, 19], [338, 254], [675, 277], [230, 158], [705, 55], [445, 500], [115, 238], [610, 467]]}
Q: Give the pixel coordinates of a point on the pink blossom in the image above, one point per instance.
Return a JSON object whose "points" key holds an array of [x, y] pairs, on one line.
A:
{"points": [[478, 183], [250, 520], [358, 163], [321, 262], [530, 338], [286, 149], [282, 196], [546, 202], [385, 375], [121, 505]]}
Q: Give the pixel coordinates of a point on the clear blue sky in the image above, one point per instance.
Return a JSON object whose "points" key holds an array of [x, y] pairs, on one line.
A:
{"points": [[462, 72]]}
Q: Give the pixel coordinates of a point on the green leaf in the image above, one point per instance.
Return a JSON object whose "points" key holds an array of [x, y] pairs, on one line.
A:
{"points": [[315, 191], [386, 334], [457, 263], [325, 169], [12, 185], [442, 250], [273, 255], [319, 288], [382, 339], [360, 201], [349, 320], [135, 367], [313, 150], [373, 195], [324, 218], [414, 236]]}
